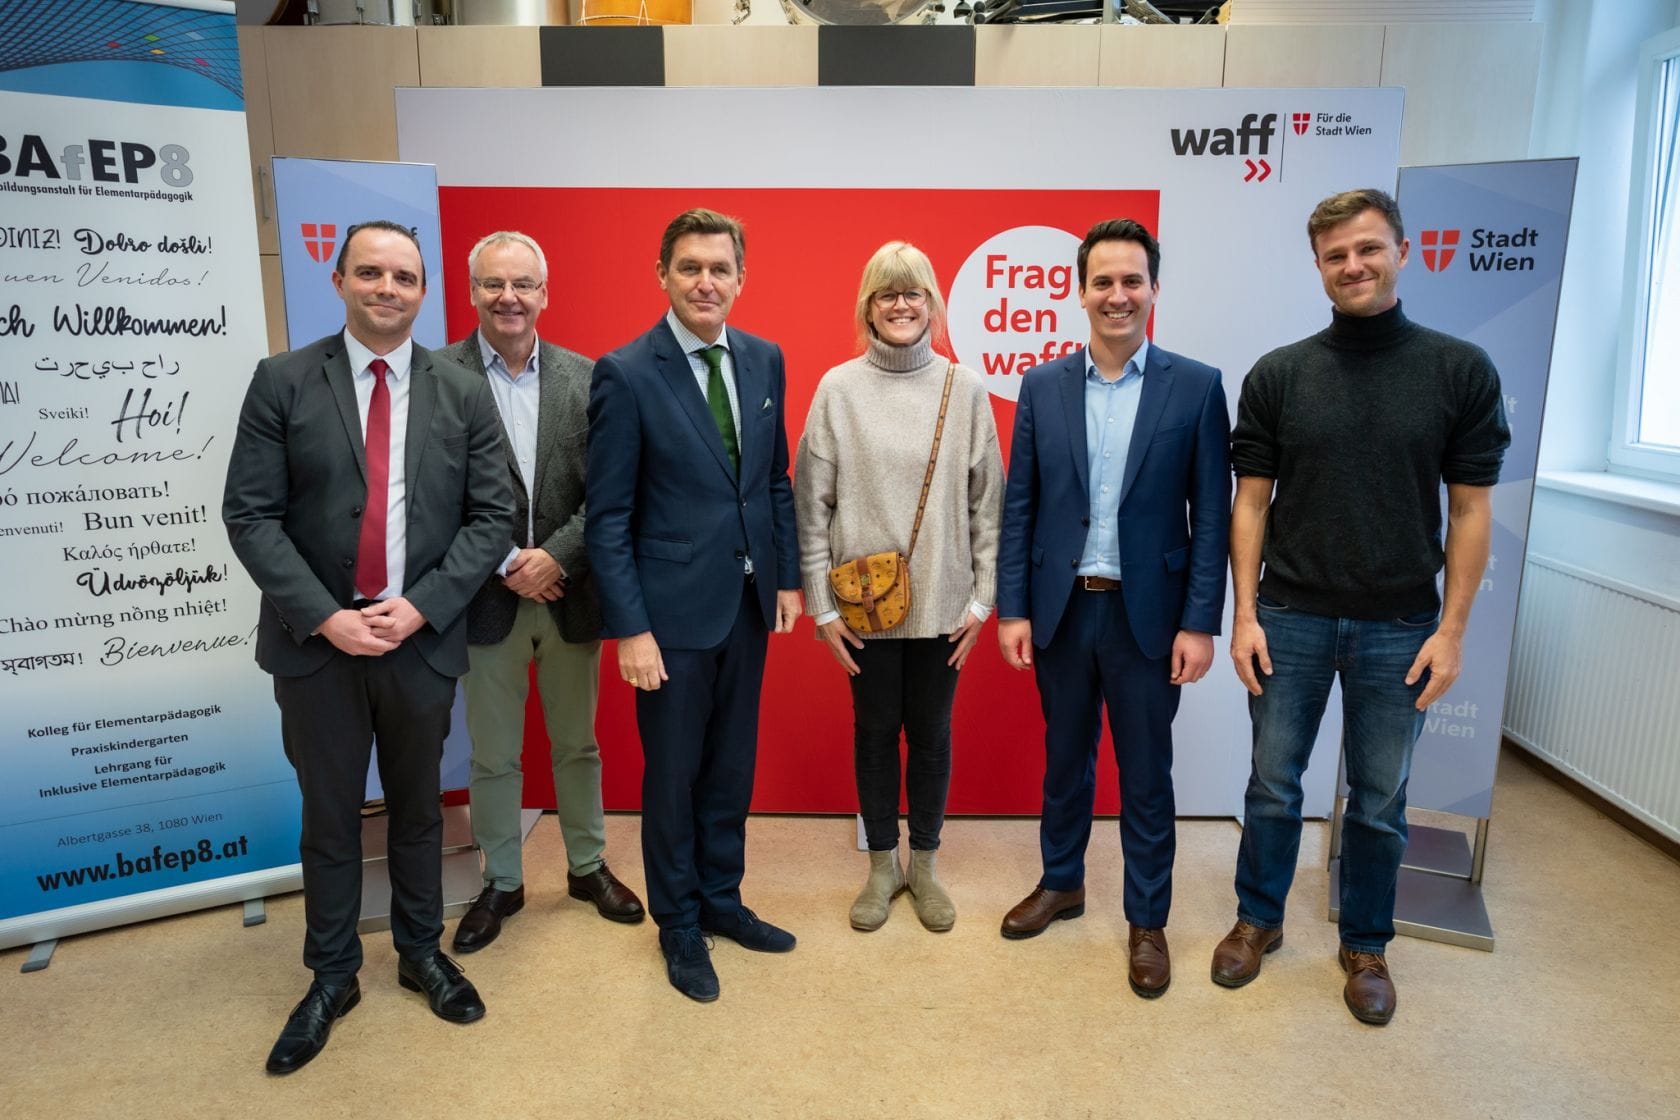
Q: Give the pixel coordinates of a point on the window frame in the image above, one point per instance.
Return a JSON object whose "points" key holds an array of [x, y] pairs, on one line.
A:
{"points": [[1626, 453]]}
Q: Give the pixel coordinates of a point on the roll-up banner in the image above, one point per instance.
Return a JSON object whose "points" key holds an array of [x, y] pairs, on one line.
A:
{"points": [[316, 201], [1487, 265], [998, 186], [144, 773]]}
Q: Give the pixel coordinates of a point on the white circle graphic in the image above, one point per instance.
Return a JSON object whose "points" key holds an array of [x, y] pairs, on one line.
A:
{"points": [[1015, 304]]}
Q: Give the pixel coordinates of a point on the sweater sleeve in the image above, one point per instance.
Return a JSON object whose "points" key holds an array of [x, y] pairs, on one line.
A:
{"points": [[1254, 443], [985, 497], [1480, 436], [814, 480]]}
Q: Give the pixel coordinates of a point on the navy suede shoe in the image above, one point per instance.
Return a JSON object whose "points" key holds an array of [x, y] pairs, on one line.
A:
{"points": [[749, 931], [688, 963]]}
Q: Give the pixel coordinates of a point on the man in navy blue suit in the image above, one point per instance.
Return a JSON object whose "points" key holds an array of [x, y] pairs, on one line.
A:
{"points": [[1111, 579], [691, 535]]}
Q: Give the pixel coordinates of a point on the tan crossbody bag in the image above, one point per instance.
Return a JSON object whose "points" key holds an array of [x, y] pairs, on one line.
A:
{"points": [[872, 593]]}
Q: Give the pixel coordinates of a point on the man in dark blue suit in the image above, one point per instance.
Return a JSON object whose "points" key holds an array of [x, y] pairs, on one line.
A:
{"points": [[691, 536], [1112, 564]]}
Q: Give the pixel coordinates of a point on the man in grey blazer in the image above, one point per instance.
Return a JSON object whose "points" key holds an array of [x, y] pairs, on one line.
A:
{"points": [[367, 497], [540, 602]]}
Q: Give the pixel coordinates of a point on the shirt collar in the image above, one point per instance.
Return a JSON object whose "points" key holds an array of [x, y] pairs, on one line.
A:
{"points": [[493, 360], [688, 340], [1138, 361], [360, 357]]}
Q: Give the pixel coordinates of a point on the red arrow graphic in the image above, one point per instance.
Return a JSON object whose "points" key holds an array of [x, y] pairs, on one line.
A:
{"points": [[1251, 170], [1265, 170]]}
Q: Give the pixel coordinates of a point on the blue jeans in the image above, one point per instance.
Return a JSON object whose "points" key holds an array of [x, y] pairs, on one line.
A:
{"points": [[1380, 727]]}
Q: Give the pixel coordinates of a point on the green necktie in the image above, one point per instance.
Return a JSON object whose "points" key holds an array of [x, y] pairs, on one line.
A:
{"points": [[717, 399]]}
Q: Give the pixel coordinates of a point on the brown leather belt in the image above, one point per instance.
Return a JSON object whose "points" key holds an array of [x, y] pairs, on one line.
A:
{"points": [[1096, 583]]}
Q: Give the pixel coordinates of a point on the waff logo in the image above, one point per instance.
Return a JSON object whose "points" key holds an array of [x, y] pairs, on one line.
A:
{"points": [[1438, 248], [319, 238], [1300, 122], [1252, 137]]}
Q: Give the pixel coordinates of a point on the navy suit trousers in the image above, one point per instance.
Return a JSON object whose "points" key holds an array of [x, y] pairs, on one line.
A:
{"points": [[699, 734], [1093, 660]]}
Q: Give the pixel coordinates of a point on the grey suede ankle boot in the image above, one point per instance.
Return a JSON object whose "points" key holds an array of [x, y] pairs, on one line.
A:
{"points": [[874, 902], [933, 906]]}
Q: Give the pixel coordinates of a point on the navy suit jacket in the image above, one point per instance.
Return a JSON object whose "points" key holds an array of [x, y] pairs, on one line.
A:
{"points": [[670, 523], [1174, 506]]}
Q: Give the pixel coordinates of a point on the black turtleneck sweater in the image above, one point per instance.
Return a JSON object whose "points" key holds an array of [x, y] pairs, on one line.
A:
{"points": [[1360, 424]]}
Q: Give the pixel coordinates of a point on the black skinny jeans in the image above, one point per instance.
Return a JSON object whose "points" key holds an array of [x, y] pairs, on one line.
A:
{"points": [[904, 683]]}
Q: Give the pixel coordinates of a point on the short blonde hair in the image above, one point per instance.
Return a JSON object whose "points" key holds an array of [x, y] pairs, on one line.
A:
{"points": [[896, 266]]}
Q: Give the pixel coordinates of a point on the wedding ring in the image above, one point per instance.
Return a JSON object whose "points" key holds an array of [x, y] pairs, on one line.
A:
{"points": [[632, 680]]}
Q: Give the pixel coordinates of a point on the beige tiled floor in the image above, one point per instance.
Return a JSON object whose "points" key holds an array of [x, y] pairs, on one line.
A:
{"points": [[1574, 1015]]}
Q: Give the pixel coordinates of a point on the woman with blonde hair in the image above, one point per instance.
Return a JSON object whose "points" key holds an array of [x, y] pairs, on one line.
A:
{"points": [[900, 456]]}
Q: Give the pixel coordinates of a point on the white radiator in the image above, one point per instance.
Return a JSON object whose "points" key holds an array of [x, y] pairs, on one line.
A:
{"points": [[1595, 687]]}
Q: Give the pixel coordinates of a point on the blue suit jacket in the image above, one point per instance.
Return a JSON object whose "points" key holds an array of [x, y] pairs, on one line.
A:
{"points": [[1174, 505], [670, 524]]}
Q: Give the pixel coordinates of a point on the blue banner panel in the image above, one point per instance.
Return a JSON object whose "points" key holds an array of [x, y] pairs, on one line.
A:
{"points": [[1487, 265], [141, 742], [316, 200]]}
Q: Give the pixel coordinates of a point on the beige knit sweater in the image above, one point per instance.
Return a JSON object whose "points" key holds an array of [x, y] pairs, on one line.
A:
{"points": [[859, 474]]}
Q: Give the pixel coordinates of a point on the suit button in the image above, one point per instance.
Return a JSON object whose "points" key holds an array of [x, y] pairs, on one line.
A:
{"points": [[739, 555], [355, 511], [1085, 522], [743, 503], [1074, 564], [347, 562]]}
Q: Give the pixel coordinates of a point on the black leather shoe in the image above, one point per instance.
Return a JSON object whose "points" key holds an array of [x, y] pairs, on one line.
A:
{"points": [[615, 901], [311, 1021], [750, 931], [688, 963], [450, 993], [483, 921]]}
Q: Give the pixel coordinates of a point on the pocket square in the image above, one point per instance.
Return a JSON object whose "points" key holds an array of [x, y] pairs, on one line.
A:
{"points": [[765, 407]]}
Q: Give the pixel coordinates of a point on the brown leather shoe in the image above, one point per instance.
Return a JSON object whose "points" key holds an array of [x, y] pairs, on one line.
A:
{"points": [[613, 899], [1369, 992], [481, 924], [1033, 914], [1151, 968], [1236, 959]]}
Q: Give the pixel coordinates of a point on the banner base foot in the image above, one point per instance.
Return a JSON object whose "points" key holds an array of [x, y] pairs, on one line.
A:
{"points": [[1432, 907], [40, 956], [256, 912]]}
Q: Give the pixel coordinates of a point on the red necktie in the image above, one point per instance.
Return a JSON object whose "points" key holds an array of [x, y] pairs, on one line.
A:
{"points": [[370, 550]]}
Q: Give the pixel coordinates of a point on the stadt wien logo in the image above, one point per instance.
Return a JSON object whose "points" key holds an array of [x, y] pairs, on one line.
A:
{"points": [[1439, 245], [1300, 122], [319, 239]]}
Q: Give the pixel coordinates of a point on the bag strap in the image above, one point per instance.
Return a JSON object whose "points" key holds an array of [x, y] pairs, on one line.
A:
{"points": [[933, 457]]}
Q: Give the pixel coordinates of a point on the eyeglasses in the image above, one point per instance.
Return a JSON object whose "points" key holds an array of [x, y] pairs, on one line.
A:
{"points": [[496, 286], [915, 297]]}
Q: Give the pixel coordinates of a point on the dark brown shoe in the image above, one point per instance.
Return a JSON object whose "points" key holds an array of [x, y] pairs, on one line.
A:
{"points": [[481, 924], [615, 901], [1151, 968], [1033, 914], [1236, 960], [1369, 992]]}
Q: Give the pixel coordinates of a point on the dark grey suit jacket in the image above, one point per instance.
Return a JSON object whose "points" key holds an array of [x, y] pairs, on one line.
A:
{"points": [[557, 492], [297, 481]]}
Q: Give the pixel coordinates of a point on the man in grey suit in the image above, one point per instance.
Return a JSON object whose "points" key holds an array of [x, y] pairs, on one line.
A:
{"points": [[539, 604], [367, 497]]}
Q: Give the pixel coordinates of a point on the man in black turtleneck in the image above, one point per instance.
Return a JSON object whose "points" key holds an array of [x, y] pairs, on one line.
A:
{"points": [[1342, 442]]}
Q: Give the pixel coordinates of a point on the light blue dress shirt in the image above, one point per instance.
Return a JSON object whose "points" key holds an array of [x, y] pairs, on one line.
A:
{"points": [[1111, 409], [519, 401]]}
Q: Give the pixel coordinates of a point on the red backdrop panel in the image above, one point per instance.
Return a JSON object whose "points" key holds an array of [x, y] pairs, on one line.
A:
{"points": [[805, 253]]}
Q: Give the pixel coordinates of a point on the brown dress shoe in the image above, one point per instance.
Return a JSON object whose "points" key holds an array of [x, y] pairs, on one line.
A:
{"points": [[1236, 960], [1369, 993], [1151, 968], [1033, 914], [481, 924], [615, 901]]}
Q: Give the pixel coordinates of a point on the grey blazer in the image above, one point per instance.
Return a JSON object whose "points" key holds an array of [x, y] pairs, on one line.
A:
{"points": [[562, 433], [297, 481]]}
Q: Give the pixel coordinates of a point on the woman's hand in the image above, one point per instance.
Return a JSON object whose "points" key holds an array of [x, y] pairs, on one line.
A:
{"points": [[837, 635], [965, 635]]}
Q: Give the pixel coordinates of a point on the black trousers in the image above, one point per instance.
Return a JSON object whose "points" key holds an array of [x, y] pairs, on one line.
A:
{"points": [[903, 684], [330, 720]]}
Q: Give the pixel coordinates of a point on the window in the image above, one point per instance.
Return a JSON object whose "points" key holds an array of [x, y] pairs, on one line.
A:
{"points": [[1646, 438]]}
